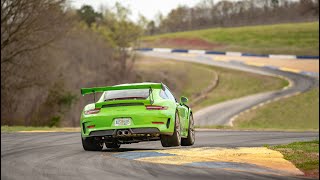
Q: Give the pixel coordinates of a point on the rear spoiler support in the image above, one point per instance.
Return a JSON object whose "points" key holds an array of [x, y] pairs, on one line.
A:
{"points": [[151, 95]]}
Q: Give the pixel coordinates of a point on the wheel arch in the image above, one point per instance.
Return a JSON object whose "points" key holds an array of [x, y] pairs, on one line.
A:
{"points": [[190, 113]]}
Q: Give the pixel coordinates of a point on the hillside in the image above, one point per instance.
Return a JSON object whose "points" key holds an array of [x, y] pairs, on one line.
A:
{"points": [[297, 38]]}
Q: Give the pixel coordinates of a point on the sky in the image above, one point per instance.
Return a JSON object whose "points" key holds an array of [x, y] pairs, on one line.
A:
{"points": [[148, 8]]}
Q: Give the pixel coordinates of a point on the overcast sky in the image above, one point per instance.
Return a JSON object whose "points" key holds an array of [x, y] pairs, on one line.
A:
{"points": [[148, 8]]}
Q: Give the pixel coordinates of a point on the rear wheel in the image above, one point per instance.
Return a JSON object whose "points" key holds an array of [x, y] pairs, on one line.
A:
{"points": [[90, 144], [175, 139], [113, 145], [189, 141]]}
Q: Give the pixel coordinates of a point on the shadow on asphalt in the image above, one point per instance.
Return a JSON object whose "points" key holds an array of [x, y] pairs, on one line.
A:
{"points": [[128, 149]]}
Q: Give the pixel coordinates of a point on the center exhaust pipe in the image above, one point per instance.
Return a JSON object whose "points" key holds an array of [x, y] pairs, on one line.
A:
{"points": [[123, 132], [126, 132], [119, 133]]}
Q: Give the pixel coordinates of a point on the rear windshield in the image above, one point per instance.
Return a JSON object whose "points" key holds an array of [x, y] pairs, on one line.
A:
{"points": [[127, 94]]}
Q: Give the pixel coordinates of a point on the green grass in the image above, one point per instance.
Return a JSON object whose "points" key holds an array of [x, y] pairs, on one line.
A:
{"points": [[235, 84], [31, 128], [304, 155], [214, 127], [232, 83], [297, 38], [299, 112], [184, 79]]}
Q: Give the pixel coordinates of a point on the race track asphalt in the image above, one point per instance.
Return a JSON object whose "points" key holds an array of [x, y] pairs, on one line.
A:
{"points": [[60, 155]]}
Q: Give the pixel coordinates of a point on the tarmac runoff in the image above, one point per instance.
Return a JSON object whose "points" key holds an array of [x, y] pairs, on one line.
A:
{"points": [[249, 159]]}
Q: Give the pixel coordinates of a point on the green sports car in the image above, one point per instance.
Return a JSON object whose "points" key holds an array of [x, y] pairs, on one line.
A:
{"points": [[131, 113]]}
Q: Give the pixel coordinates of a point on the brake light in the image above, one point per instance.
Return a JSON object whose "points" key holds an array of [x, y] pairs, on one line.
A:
{"points": [[92, 111], [91, 126], [151, 107], [157, 122]]}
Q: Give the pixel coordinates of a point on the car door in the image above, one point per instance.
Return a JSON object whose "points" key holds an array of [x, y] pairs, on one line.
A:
{"points": [[182, 111]]}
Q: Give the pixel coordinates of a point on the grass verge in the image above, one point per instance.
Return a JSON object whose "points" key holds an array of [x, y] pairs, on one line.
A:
{"points": [[182, 78], [188, 79], [300, 112], [304, 155], [38, 129], [295, 38], [214, 127]]}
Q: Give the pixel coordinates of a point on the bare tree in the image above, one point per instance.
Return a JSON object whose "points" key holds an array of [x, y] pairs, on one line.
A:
{"points": [[27, 25], [122, 33], [208, 14]]}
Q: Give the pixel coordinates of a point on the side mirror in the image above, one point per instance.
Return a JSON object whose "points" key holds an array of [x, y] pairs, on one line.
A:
{"points": [[183, 100]]}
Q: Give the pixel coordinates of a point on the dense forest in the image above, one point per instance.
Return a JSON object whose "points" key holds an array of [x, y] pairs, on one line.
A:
{"points": [[211, 13]]}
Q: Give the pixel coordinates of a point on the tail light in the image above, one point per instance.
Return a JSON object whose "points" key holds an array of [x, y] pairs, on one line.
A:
{"points": [[91, 126], [151, 107], [157, 122], [92, 111]]}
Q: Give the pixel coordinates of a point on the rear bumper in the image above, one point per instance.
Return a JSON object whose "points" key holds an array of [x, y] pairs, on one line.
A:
{"points": [[126, 135], [133, 131], [142, 123]]}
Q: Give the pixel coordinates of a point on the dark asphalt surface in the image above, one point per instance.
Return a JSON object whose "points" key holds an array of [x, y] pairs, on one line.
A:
{"points": [[60, 156]]}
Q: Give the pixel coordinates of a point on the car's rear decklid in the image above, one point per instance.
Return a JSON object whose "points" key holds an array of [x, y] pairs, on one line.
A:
{"points": [[125, 102]]}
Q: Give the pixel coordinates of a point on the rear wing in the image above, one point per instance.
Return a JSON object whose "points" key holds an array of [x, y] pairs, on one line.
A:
{"points": [[94, 90], [85, 91]]}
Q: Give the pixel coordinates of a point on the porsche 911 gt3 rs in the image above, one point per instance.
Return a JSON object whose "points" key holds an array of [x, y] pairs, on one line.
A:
{"points": [[131, 113]]}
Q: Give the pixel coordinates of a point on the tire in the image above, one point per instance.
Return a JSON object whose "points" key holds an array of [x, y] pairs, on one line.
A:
{"points": [[113, 145], [189, 141], [175, 139], [90, 144]]}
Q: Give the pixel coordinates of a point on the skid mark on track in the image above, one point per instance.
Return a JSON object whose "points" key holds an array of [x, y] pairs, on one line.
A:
{"points": [[257, 159]]}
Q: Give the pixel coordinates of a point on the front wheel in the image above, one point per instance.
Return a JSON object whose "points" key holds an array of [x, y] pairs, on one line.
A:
{"points": [[90, 144], [175, 139], [189, 141]]}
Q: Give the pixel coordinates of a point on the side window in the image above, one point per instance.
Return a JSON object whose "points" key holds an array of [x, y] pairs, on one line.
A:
{"points": [[163, 95], [169, 94]]}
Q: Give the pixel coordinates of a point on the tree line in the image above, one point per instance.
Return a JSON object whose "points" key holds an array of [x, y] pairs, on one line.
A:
{"points": [[50, 50], [211, 14]]}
